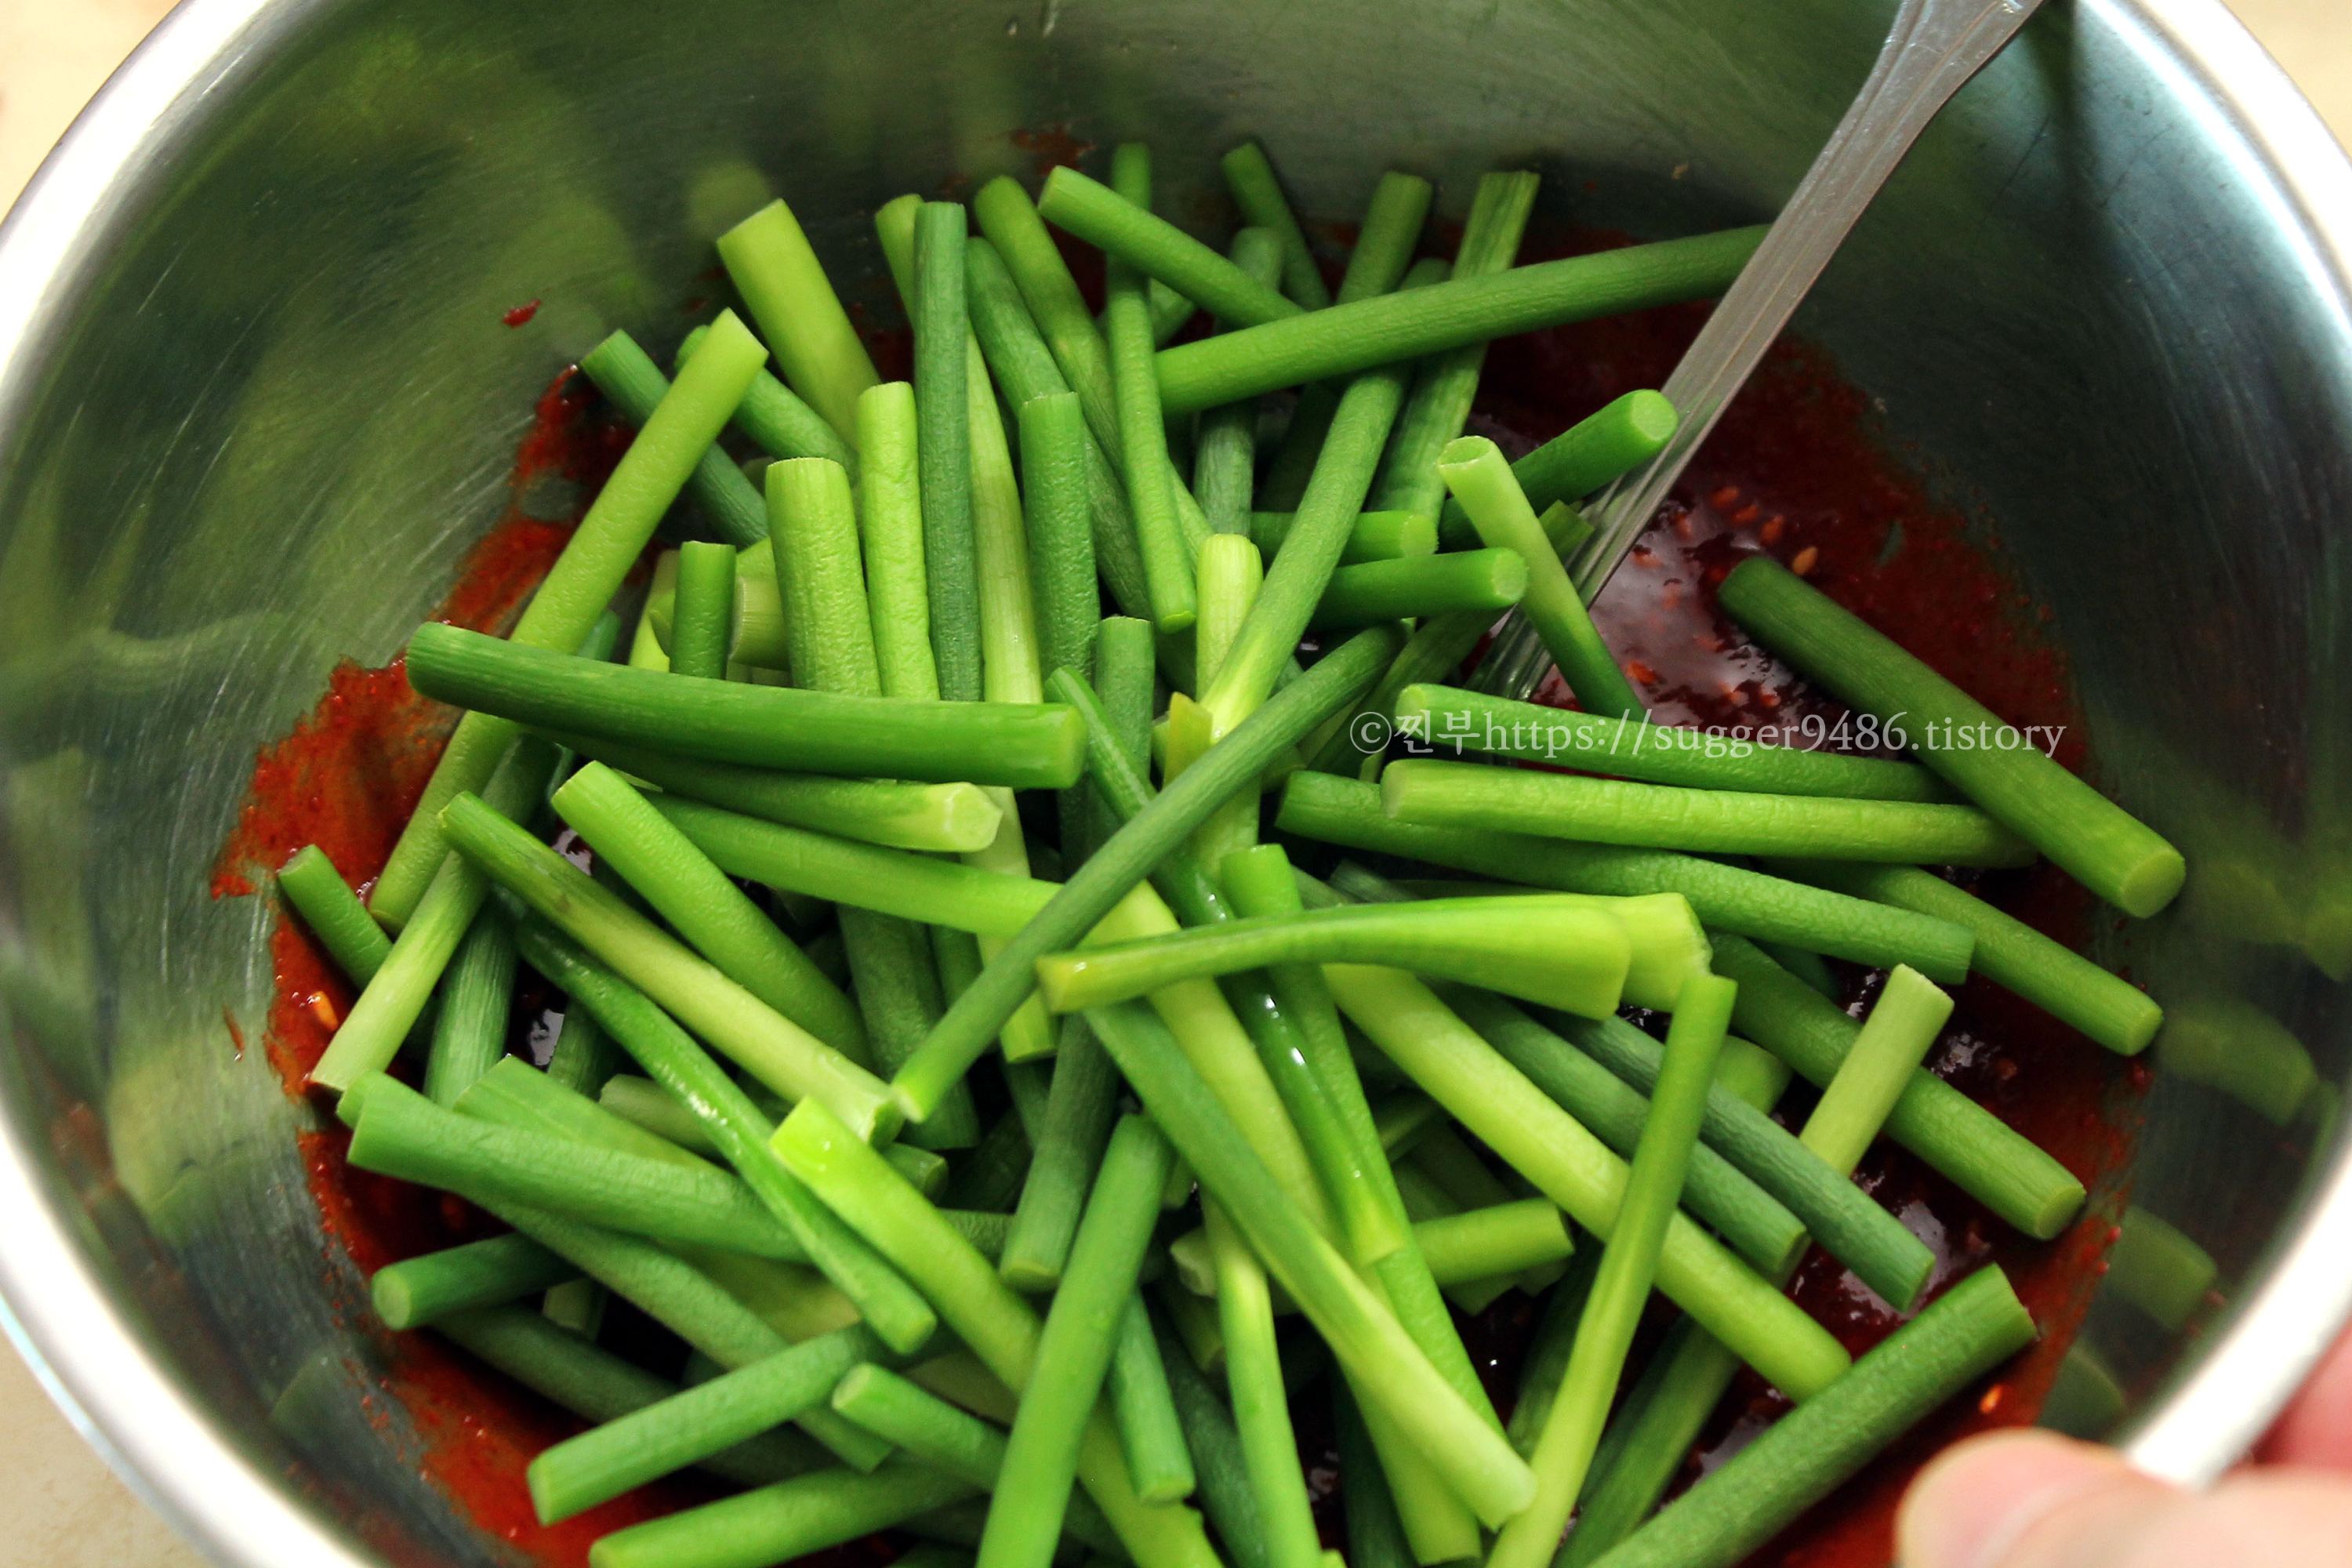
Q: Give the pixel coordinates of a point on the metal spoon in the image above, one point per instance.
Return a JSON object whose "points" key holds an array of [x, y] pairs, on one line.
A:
{"points": [[1935, 47]]}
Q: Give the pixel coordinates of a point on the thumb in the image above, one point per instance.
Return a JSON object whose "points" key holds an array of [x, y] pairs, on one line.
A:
{"points": [[2032, 1499], [2023, 1498]]}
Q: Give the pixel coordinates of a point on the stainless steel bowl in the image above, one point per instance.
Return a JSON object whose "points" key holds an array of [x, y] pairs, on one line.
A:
{"points": [[256, 396]]}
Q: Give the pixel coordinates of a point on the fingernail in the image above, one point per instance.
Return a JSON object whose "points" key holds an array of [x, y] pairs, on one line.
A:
{"points": [[1979, 1498]]}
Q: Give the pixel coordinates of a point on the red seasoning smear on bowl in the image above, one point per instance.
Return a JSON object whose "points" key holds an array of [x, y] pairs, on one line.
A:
{"points": [[1793, 470], [345, 778]]}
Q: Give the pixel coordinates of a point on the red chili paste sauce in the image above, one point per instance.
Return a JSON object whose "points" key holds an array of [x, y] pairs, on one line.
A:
{"points": [[1793, 470], [346, 780]]}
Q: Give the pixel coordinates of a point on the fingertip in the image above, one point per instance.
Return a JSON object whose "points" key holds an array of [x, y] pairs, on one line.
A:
{"points": [[1977, 1499]]}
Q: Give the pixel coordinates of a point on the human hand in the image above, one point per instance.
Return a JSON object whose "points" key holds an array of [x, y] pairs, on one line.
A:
{"points": [[2026, 1498]]}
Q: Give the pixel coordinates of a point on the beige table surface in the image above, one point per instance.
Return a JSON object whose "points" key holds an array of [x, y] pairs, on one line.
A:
{"points": [[59, 1507]]}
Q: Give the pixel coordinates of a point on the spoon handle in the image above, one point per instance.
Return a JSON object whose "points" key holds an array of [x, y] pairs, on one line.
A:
{"points": [[1935, 47]]}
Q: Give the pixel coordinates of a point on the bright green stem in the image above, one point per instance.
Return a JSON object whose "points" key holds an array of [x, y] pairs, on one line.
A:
{"points": [[1752, 1074], [1446, 717], [1575, 1170], [1124, 673], [1500, 1240], [1473, 470], [1234, 764], [1751, 1221], [699, 629], [1026, 368], [779, 278], [1391, 329], [1363, 1335], [1228, 1061], [1388, 235], [1010, 221], [681, 1066], [893, 975], [1969, 1329], [470, 1032], [1015, 745], [1437, 794], [418, 1291], [778, 422], [334, 913], [1987, 760], [646, 1104], [1074, 1351], [600, 1387], [401, 1133], [1365, 1223], [1573, 952], [1843, 1218], [395, 998], [1261, 1411], [943, 448], [930, 1430], [779, 1523], [1618, 439], [1151, 481], [1725, 897], [599, 555], [691, 1425], [1061, 538], [1295, 583], [994, 1324], [1251, 179], [1224, 461], [950, 818], [1153, 247], [1151, 1433], [1383, 248], [821, 572], [1903, 1023], [627, 376], [1009, 654], [890, 521], [1628, 1267], [1374, 535], [1231, 574], [753, 632], [866, 876], [1483, 581], [2008, 952], [1994, 1164], [670, 1291], [646, 651], [1008, 606], [775, 1049], [1667, 945], [703, 905], [1447, 382], [1076, 1126], [1263, 885]]}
